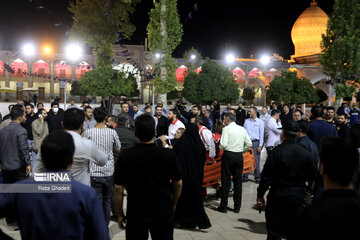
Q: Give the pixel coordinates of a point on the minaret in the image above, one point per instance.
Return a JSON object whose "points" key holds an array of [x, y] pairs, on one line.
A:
{"points": [[313, 3]]}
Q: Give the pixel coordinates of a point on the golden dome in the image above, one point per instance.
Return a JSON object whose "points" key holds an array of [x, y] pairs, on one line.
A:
{"points": [[307, 30]]}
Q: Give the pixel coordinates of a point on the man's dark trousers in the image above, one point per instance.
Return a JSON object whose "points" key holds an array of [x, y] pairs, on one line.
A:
{"points": [[158, 231], [231, 165], [282, 206], [9, 177], [103, 187]]}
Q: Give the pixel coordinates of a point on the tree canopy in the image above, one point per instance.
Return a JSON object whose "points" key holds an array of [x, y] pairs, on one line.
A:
{"points": [[164, 32], [288, 87], [75, 89], [345, 91], [105, 82], [213, 82], [100, 23], [341, 43], [248, 94]]}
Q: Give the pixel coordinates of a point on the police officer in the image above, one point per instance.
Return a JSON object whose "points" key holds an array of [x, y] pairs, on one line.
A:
{"points": [[288, 170]]}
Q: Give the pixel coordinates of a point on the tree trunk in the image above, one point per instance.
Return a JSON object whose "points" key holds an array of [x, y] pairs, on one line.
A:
{"points": [[110, 105], [162, 98], [163, 75]]}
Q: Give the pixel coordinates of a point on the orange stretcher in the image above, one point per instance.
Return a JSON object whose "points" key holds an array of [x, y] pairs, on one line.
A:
{"points": [[212, 169]]}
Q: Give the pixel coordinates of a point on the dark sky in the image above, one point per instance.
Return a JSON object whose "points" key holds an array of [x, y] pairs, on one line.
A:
{"points": [[244, 26]]}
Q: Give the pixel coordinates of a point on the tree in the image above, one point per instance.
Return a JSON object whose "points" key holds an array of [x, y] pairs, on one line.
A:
{"points": [[341, 43], [164, 33], [248, 94], [358, 96], [345, 91], [75, 89], [100, 23], [213, 82], [105, 82], [135, 92], [288, 87]]}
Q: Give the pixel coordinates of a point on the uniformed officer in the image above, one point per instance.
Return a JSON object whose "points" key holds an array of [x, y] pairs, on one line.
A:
{"points": [[288, 170]]}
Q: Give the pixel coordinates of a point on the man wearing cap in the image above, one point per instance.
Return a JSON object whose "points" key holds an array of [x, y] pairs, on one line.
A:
{"points": [[288, 172]]}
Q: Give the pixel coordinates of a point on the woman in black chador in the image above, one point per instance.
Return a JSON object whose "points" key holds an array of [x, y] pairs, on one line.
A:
{"points": [[191, 153]]}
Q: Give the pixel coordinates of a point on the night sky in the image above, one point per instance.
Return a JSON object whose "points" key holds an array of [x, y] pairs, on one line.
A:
{"points": [[218, 27]]}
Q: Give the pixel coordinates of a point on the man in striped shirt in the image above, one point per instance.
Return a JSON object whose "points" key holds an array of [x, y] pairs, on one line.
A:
{"points": [[106, 140]]}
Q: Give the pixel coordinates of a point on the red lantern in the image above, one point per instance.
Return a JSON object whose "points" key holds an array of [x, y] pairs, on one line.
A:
{"points": [[181, 73]]}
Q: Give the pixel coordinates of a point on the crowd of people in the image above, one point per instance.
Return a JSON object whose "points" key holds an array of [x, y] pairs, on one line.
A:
{"points": [[156, 157]]}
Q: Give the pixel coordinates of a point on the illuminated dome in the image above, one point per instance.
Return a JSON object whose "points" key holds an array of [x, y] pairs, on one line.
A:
{"points": [[307, 30]]}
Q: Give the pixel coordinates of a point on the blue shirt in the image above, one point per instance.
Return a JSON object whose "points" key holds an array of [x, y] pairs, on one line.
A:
{"points": [[265, 118], [354, 116], [255, 130], [75, 215], [319, 129], [211, 124], [138, 113]]}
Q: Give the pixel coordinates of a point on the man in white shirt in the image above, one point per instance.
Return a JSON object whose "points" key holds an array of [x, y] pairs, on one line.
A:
{"points": [[207, 137], [173, 116], [86, 151], [234, 141], [272, 130]]}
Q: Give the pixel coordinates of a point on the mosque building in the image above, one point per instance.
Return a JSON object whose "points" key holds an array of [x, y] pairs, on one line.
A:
{"points": [[306, 36], [50, 75]]}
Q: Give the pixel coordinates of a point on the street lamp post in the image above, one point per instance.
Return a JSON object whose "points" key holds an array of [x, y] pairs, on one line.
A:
{"points": [[50, 58], [158, 57]]}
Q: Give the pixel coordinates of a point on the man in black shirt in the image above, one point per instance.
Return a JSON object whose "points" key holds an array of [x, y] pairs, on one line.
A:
{"points": [[148, 173], [286, 115], [330, 116], [216, 113], [196, 111], [30, 117], [343, 127], [288, 170], [240, 115], [163, 122], [55, 117], [336, 213]]}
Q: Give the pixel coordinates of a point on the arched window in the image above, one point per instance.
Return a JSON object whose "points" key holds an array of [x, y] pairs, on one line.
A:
{"points": [[62, 70], [41, 69], [81, 69], [2, 69], [20, 68]]}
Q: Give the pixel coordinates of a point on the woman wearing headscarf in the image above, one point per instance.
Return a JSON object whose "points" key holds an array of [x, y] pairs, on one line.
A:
{"points": [[190, 150]]}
